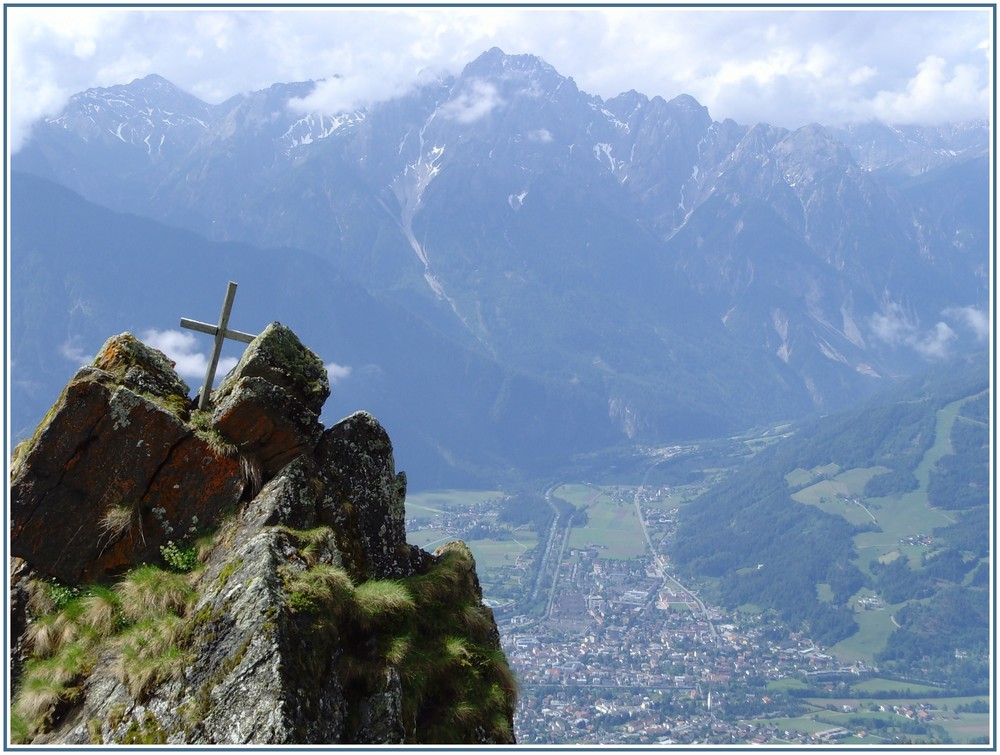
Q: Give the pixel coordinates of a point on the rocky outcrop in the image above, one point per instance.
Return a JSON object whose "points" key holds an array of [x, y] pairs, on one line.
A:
{"points": [[239, 575], [116, 470]]}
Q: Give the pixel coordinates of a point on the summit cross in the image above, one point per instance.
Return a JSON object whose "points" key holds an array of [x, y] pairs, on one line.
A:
{"points": [[221, 332]]}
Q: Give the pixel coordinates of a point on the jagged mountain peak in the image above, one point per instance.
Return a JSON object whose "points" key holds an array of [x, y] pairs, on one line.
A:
{"points": [[759, 140], [153, 81], [687, 102], [497, 60], [152, 92], [815, 136], [148, 119], [625, 101], [495, 64], [814, 145]]}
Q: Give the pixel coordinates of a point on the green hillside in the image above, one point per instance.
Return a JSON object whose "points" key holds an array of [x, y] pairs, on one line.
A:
{"points": [[869, 529]]}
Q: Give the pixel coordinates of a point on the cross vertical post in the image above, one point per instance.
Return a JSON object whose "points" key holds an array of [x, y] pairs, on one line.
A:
{"points": [[221, 332]]}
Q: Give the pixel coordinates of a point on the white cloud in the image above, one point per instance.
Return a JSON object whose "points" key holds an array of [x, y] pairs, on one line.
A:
{"points": [[344, 93], [181, 348], [337, 372], [938, 90], [785, 66], [976, 320], [893, 327], [74, 353], [479, 100], [934, 343]]}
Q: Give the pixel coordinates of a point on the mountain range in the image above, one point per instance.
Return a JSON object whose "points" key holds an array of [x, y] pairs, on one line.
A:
{"points": [[506, 270]]}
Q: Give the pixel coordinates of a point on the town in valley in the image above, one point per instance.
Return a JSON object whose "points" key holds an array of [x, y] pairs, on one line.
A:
{"points": [[611, 647]]}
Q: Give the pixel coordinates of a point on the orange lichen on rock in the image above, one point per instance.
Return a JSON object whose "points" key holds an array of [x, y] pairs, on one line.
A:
{"points": [[106, 461]]}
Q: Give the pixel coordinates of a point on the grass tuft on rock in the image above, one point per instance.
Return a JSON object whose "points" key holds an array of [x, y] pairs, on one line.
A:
{"points": [[148, 591], [49, 682], [378, 599], [119, 520], [101, 611], [149, 653], [324, 586], [399, 649]]}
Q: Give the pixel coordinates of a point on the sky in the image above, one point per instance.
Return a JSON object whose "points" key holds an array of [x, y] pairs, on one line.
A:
{"points": [[787, 66]]}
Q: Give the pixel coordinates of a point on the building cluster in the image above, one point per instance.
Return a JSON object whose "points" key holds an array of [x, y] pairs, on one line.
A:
{"points": [[623, 659], [618, 651]]}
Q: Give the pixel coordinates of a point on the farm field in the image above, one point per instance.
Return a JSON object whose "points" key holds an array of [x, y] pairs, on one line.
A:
{"points": [[582, 495], [612, 526], [429, 539], [493, 554], [873, 628], [879, 685], [960, 728], [898, 517], [450, 505], [832, 495], [441, 501]]}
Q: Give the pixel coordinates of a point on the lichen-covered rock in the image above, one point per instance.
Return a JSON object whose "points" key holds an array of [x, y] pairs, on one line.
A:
{"points": [[245, 684], [356, 458], [277, 356], [380, 714], [237, 577], [268, 406], [290, 498], [142, 369], [19, 575], [114, 467], [266, 423]]}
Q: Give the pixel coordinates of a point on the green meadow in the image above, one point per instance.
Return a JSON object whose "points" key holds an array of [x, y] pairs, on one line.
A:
{"points": [[833, 495], [443, 501], [874, 626], [493, 554], [581, 495], [489, 553], [898, 518], [612, 526], [960, 728]]}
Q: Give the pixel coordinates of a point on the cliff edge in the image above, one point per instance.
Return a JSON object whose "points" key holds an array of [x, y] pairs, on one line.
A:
{"points": [[234, 576]]}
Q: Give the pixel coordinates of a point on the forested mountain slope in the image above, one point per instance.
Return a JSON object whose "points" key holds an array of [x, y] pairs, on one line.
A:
{"points": [[882, 508]]}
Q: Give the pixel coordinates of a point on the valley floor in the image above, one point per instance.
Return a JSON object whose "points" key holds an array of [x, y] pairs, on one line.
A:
{"points": [[610, 648]]}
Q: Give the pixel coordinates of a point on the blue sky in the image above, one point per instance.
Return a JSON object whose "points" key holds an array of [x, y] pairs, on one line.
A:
{"points": [[787, 66]]}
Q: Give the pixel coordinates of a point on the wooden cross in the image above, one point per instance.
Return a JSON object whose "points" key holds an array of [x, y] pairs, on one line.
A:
{"points": [[221, 332]]}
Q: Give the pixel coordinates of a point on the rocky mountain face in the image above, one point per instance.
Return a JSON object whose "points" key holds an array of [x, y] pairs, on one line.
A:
{"points": [[629, 269], [238, 575]]}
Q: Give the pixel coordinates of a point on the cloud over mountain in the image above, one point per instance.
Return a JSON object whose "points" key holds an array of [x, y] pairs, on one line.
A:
{"points": [[786, 66]]}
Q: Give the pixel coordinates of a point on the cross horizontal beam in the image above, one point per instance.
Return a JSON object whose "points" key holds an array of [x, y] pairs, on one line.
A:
{"points": [[204, 327], [221, 332]]}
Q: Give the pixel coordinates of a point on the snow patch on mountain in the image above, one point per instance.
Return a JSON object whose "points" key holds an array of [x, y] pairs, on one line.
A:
{"points": [[779, 320], [516, 201], [851, 330], [603, 151], [612, 118], [316, 126], [408, 187]]}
